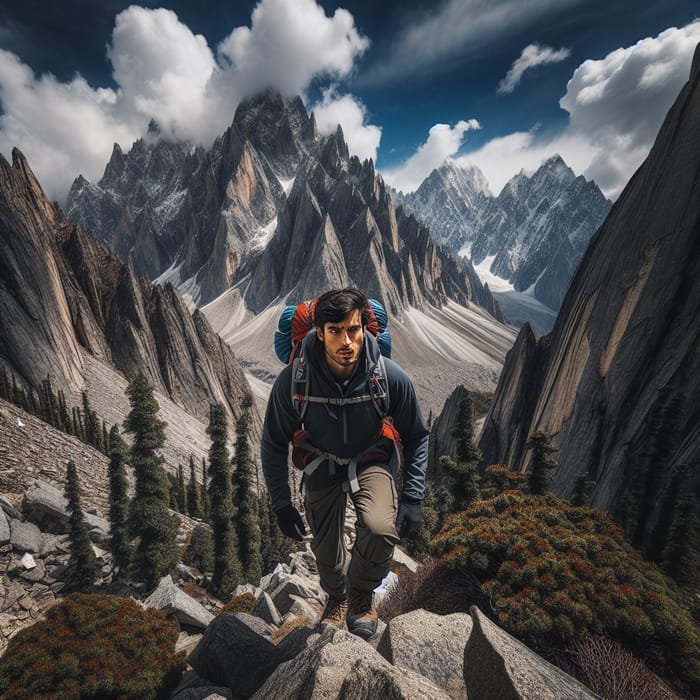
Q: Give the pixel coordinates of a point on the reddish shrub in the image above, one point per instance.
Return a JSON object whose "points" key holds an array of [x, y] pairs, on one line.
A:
{"points": [[93, 647]]}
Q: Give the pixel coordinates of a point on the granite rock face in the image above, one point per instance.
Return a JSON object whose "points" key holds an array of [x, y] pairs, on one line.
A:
{"points": [[625, 351], [499, 667]]}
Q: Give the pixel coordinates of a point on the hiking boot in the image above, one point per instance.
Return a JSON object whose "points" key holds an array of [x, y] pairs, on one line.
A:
{"points": [[335, 611], [362, 615]]}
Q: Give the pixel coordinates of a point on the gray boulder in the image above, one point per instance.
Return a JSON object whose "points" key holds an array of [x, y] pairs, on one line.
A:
{"points": [[498, 667], [25, 537], [172, 601], [433, 645], [267, 610], [4, 528], [232, 654], [9, 509], [46, 506], [291, 585], [340, 665], [256, 624]]}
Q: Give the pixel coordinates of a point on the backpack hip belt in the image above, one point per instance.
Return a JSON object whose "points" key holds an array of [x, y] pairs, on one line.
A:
{"points": [[307, 457]]}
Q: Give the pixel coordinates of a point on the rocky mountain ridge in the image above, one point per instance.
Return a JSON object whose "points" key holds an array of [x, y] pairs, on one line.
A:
{"points": [[68, 303], [624, 355], [272, 209], [533, 233]]}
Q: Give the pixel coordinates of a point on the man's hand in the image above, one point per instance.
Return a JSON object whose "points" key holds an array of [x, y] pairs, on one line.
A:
{"points": [[290, 522], [408, 518]]}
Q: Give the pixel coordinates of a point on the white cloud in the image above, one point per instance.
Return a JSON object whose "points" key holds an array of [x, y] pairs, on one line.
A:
{"points": [[454, 28], [532, 56], [362, 139], [63, 128], [288, 43], [443, 142], [617, 103], [164, 71]]}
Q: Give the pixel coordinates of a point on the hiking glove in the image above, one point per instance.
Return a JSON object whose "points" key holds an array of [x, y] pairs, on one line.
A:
{"points": [[408, 518], [290, 522]]}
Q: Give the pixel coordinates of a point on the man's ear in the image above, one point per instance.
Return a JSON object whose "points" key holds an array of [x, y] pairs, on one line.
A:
{"points": [[319, 333]]}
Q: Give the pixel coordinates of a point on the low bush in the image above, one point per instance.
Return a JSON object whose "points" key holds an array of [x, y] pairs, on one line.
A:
{"points": [[551, 572], [240, 603], [615, 673], [93, 647]]}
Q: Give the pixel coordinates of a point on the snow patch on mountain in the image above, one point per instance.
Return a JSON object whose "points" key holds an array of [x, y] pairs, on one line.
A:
{"points": [[495, 283]]}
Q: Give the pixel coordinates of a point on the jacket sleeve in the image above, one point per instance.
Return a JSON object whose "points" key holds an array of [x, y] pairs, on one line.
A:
{"points": [[281, 420], [409, 421]]}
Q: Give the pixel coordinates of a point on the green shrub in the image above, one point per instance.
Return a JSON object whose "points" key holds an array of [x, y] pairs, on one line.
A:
{"points": [[498, 478], [93, 647], [552, 571]]}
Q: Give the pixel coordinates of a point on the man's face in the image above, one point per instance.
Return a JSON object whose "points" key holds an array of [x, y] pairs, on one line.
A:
{"points": [[343, 343]]}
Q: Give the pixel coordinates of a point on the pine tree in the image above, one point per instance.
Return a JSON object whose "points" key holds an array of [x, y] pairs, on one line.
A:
{"points": [[582, 490], [82, 564], [247, 527], [156, 553], [227, 567], [194, 501], [681, 557], [462, 482], [64, 414], [118, 501], [266, 555], [181, 493], [463, 432], [663, 434], [205, 492], [200, 550], [541, 464], [105, 439], [672, 496]]}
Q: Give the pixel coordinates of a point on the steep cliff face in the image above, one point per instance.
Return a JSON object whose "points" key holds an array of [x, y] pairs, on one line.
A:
{"points": [[625, 351], [62, 294]]}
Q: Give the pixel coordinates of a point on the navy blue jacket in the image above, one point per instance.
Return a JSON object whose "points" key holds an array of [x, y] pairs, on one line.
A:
{"points": [[345, 431]]}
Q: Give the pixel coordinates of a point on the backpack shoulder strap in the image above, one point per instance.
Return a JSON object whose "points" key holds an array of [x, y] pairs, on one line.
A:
{"points": [[300, 383], [379, 388]]}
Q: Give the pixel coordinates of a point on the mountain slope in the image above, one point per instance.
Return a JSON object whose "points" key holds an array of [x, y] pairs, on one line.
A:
{"points": [[624, 354]]}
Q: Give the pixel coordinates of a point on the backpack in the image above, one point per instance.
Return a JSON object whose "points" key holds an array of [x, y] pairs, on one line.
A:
{"points": [[294, 324]]}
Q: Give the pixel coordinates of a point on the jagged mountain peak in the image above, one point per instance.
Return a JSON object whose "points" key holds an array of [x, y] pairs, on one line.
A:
{"points": [[66, 303]]}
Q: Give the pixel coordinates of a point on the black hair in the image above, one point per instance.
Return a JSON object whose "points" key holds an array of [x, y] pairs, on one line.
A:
{"points": [[335, 305]]}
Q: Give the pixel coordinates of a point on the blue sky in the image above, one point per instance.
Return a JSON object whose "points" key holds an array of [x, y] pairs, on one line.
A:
{"points": [[500, 83]]}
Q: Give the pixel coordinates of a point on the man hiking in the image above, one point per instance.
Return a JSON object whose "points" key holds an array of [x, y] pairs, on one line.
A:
{"points": [[350, 414]]}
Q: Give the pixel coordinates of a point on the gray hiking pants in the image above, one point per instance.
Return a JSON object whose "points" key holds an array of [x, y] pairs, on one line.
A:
{"points": [[376, 504]]}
